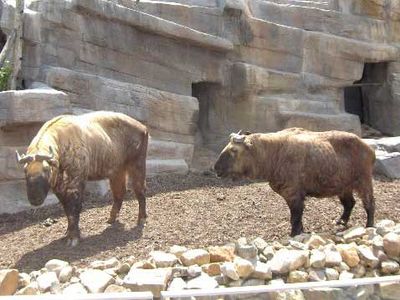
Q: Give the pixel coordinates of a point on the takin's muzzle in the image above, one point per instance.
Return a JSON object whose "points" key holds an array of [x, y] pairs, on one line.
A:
{"points": [[37, 189]]}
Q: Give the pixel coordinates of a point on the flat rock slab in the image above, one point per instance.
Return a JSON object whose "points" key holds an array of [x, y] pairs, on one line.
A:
{"points": [[388, 164], [155, 280], [32, 106]]}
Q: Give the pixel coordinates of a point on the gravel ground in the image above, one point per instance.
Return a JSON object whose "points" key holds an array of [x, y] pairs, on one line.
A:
{"points": [[193, 210]]}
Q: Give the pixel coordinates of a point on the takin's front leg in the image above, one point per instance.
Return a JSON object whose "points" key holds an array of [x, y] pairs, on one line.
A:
{"points": [[296, 206], [71, 200]]}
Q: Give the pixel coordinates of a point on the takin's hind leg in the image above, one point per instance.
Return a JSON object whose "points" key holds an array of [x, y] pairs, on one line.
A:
{"points": [[366, 194], [118, 189], [348, 202], [138, 177]]}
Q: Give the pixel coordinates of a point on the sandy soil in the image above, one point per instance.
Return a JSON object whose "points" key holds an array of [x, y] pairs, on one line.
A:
{"points": [[193, 210]]}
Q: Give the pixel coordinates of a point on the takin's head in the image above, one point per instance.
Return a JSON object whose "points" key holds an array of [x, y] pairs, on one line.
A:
{"points": [[37, 174], [236, 160]]}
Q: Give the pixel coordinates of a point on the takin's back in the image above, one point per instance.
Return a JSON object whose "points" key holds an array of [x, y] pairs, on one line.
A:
{"points": [[325, 163], [98, 143]]}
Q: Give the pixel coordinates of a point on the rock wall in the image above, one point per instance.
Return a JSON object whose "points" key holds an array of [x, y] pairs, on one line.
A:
{"points": [[195, 70]]}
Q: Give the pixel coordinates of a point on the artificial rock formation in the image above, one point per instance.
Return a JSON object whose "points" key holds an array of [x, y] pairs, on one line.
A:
{"points": [[195, 70]]}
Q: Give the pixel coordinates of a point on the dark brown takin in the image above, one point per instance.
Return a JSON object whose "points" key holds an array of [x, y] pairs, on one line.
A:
{"points": [[299, 163], [70, 150]]}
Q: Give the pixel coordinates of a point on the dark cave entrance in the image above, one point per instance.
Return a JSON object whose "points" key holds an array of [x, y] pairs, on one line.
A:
{"points": [[363, 96], [205, 92], [3, 39]]}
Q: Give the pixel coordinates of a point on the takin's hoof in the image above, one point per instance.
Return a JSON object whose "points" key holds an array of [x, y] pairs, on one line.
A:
{"points": [[141, 222], [341, 222], [72, 242], [111, 220]]}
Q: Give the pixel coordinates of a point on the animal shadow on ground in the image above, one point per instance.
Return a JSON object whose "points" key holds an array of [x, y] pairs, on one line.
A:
{"points": [[113, 236], [155, 185]]}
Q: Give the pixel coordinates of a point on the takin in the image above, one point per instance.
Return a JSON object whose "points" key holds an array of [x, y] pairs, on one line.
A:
{"points": [[70, 150], [299, 163]]}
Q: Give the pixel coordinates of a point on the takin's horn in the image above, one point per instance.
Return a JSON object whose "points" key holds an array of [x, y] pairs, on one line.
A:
{"points": [[237, 138], [48, 157], [23, 159]]}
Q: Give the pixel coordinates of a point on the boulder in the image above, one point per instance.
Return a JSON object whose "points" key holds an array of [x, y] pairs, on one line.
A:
{"points": [[96, 281], [163, 259], [153, 280], [391, 244], [8, 281], [195, 257]]}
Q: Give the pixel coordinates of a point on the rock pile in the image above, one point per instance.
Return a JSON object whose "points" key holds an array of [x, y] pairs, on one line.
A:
{"points": [[354, 253], [387, 152]]}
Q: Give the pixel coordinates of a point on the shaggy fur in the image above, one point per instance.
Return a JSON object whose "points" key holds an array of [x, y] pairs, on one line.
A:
{"points": [[93, 146], [299, 163]]}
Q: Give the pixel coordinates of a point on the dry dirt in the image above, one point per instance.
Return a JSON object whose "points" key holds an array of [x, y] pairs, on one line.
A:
{"points": [[193, 210]]}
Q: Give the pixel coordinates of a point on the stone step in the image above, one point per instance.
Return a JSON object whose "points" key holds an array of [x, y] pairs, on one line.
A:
{"points": [[185, 3], [290, 103], [43, 102], [322, 122], [153, 24], [321, 4], [166, 166], [321, 20]]}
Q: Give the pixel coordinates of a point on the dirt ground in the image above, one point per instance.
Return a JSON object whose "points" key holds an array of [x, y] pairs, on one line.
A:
{"points": [[193, 210]]}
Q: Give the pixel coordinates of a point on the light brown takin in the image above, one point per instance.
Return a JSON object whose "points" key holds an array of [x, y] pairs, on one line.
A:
{"points": [[299, 163], [70, 150]]}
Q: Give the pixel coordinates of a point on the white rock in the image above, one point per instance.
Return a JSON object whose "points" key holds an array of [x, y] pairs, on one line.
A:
{"points": [[384, 226], [195, 257], [177, 284], [228, 269], [331, 274], [389, 267], [75, 289], [23, 280], [262, 271], [65, 274], [177, 250], [194, 271], [268, 252], [105, 264], [246, 251], [332, 257], [204, 281], [95, 280], [46, 280], [297, 276], [163, 259], [367, 256], [316, 275], [153, 280], [358, 271], [56, 265], [243, 267], [391, 244], [260, 244], [285, 261], [317, 259], [354, 233], [315, 241], [346, 275], [30, 289]]}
